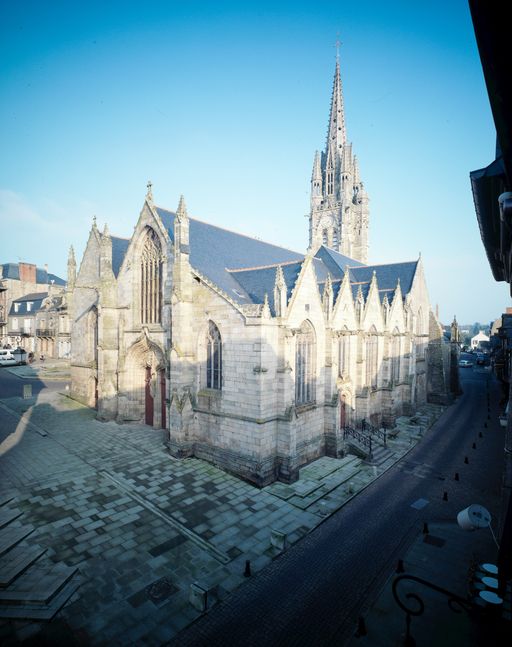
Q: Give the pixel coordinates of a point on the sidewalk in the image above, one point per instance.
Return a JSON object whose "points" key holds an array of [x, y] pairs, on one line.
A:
{"points": [[155, 539]]}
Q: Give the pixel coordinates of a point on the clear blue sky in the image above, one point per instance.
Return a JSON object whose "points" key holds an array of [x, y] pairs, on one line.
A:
{"points": [[227, 103]]}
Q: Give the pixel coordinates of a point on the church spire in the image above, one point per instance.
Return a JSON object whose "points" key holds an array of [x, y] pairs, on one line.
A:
{"points": [[336, 137]]}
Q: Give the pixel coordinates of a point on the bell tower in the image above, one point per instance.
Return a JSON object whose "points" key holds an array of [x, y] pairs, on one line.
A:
{"points": [[339, 204]]}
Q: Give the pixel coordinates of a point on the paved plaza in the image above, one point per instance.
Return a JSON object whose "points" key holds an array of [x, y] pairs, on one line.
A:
{"points": [[147, 540]]}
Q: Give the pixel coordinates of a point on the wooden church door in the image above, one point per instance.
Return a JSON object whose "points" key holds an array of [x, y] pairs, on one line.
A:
{"points": [[149, 400]]}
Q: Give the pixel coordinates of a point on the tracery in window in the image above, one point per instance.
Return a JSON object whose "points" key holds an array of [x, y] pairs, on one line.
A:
{"points": [[305, 365], [325, 236], [395, 359], [151, 280], [371, 361], [213, 357]]}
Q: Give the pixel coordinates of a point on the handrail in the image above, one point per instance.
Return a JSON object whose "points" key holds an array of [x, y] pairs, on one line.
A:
{"points": [[380, 433], [359, 436]]}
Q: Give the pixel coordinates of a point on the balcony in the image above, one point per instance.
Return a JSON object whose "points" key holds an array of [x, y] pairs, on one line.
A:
{"points": [[45, 332], [19, 333]]}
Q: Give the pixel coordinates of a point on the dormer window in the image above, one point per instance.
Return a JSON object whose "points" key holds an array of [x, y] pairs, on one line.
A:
{"points": [[29, 306], [16, 307]]}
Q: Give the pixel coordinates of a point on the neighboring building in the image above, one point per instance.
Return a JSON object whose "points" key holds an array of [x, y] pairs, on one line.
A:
{"points": [[492, 193], [254, 357], [18, 280], [477, 340], [21, 327], [53, 327]]}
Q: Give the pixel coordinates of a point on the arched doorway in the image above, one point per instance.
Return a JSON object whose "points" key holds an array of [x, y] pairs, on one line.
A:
{"points": [[144, 384]]}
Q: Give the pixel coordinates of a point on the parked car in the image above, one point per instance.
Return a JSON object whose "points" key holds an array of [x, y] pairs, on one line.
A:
{"points": [[7, 358], [465, 363], [12, 356], [480, 359]]}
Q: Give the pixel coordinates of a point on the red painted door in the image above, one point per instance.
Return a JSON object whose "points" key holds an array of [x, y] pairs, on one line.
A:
{"points": [[162, 398], [342, 412], [149, 400]]}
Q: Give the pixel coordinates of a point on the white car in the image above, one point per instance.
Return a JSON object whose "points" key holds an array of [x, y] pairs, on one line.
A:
{"points": [[465, 363], [7, 358]]}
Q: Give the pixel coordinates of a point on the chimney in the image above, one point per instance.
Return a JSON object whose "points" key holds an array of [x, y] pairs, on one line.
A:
{"points": [[27, 272]]}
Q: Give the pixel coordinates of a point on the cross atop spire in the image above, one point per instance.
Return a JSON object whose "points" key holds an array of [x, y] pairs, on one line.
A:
{"points": [[337, 45], [149, 194]]}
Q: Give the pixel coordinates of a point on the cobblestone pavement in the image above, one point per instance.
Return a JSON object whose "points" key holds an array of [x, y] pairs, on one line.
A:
{"points": [[143, 527]]}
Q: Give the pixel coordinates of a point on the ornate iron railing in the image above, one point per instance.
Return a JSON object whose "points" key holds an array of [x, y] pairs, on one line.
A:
{"points": [[374, 431], [359, 437]]}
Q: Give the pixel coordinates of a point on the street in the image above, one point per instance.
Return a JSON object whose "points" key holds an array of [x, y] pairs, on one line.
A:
{"points": [[12, 386], [314, 593]]}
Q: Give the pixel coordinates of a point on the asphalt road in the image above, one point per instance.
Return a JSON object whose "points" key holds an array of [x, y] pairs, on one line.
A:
{"points": [[314, 593], [11, 385]]}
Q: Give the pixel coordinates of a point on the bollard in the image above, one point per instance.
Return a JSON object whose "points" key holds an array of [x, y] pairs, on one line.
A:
{"points": [[425, 528], [485, 425], [474, 446], [247, 572], [361, 627], [445, 496], [456, 476], [400, 566], [466, 460], [480, 434]]}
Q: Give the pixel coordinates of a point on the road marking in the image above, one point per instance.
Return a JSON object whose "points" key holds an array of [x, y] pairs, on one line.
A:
{"points": [[419, 504]]}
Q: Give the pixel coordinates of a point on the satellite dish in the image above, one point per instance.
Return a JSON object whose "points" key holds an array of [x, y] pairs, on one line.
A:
{"points": [[473, 517]]}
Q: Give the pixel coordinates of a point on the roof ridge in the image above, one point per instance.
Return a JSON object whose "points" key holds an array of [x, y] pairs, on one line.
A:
{"points": [[265, 267], [355, 267]]}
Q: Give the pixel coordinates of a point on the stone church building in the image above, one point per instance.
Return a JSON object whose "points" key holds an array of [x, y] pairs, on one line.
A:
{"points": [[252, 356]]}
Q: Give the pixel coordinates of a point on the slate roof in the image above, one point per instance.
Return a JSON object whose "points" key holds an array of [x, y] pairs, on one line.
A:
{"points": [[214, 251], [245, 268], [258, 281], [36, 298], [387, 275], [119, 247], [12, 271]]}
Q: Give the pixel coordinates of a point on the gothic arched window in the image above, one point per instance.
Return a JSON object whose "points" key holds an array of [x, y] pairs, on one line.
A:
{"points": [[325, 236], [419, 331], [395, 359], [305, 365], [151, 280], [334, 237], [213, 357], [371, 361]]}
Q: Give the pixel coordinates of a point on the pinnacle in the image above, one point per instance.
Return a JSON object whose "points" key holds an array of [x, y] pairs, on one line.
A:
{"points": [[181, 211]]}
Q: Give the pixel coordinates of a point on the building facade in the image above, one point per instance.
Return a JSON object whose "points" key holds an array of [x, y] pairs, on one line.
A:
{"points": [[252, 356], [20, 280]]}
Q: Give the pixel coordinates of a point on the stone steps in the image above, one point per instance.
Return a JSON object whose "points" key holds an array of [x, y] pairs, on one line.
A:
{"points": [[18, 559], [30, 587], [38, 585], [379, 455], [6, 516], [10, 536], [25, 611]]}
